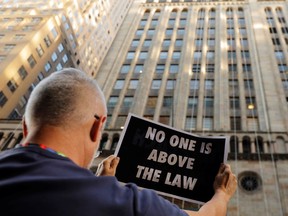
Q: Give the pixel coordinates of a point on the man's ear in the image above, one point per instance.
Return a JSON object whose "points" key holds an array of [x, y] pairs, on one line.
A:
{"points": [[97, 128], [24, 127]]}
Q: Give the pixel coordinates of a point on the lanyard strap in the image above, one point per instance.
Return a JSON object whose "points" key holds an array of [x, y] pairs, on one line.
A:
{"points": [[42, 146]]}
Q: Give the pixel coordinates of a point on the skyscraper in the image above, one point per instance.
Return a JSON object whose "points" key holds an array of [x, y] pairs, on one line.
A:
{"points": [[210, 68], [207, 67]]}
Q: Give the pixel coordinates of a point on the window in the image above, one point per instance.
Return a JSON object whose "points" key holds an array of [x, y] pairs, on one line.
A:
{"points": [[54, 57], [199, 32], [119, 84], [135, 43], [245, 54], [208, 102], [19, 37], [163, 55], [125, 69], [40, 50], [211, 42], [209, 84], [235, 123], [150, 32], [12, 85], [167, 101], [160, 68], [194, 84], [166, 42], [197, 55], [143, 22], [198, 42], [127, 101], [3, 99], [113, 100], [210, 55], [31, 60], [65, 58], [60, 47], [180, 31], [176, 55], [169, 32], [170, 84], [54, 32], [179, 43], [234, 103], [232, 55], [210, 68], [2, 58], [47, 67], [190, 123], [282, 68], [192, 102], [156, 84], [207, 123], [143, 55], [139, 32], [171, 22], [285, 84], [151, 102], [196, 68], [59, 67], [211, 32], [138, 68], [23, 101], [232, 67], [133, 84], [130, 55], [8, 47], [22, 72], [47, 41], [147, 43], [279, 54], [174, 68], [40, 76]]}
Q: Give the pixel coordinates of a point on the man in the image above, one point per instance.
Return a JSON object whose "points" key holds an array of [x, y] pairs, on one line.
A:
{"points": [[47, 174]]}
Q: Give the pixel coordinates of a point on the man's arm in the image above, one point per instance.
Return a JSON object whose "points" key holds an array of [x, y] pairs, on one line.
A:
{"points": [[225, 185]]}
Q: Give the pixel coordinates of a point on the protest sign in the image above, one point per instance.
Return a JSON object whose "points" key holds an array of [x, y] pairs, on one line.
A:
{"points": [[171, 162]]}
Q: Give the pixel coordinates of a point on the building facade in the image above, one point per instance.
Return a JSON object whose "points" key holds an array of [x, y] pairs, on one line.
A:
{"points": [[38, 37], [206, 67], [210, 68]]}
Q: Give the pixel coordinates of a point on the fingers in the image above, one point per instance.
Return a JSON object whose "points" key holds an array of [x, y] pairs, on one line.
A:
{"points": [[108, 166], [225, 180]]}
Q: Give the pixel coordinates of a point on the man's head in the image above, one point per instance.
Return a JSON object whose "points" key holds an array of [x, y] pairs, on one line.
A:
{"points": [[68, 99]]}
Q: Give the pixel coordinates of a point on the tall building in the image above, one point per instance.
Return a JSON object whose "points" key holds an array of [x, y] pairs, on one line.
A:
{"points": [[38, 37], [210, 68], [206, 67]]}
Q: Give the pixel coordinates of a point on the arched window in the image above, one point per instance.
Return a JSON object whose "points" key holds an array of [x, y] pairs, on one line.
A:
{"points": [[246, 142], [234, 144], [103, 141], [212, 13], [229, 12], [114, 141], [280, 145], [259, 144], [201, 13], [268, 12]]}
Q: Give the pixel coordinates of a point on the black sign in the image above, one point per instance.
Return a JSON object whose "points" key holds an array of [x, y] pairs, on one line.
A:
{"points": [[169, 161]]}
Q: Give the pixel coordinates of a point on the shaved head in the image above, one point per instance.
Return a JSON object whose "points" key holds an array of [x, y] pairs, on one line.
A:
{"points": [[63, 99]]}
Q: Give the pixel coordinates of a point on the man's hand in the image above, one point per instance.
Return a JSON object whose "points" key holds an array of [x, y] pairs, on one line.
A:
{"points": [[108, 166], [225, 181]]}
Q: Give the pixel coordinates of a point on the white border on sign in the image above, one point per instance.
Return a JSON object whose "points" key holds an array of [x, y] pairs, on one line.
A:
{"points": [[227, 138]]}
